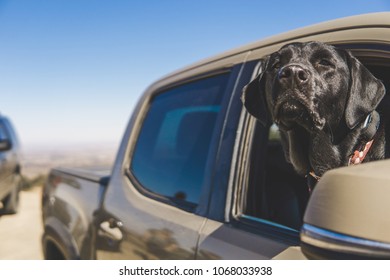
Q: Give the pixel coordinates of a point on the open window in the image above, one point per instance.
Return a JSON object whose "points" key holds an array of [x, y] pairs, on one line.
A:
{"points": [[274, 192], [269, 190]]}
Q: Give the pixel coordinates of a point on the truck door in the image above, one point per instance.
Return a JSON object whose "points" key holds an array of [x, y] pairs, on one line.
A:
{"points": [[157, 200], [260, 214]]}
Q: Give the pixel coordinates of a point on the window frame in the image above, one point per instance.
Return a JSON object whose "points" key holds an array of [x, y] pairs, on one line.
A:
{"points": [[202, 207]]}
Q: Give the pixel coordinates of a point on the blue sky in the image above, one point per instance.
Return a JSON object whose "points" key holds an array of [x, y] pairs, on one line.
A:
{"points": [[72, 70]]}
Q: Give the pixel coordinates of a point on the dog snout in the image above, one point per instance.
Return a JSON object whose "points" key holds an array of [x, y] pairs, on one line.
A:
{"points": [[293, 74]]}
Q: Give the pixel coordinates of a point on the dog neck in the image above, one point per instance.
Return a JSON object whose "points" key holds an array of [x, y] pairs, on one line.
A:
{"points": [[363, 135]]}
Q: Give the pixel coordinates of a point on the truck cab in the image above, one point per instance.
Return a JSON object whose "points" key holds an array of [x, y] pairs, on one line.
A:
{"points": [[196, 177]]}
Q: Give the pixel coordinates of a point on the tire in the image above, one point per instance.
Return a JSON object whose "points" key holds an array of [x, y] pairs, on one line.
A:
{"points": [[11, 202]]}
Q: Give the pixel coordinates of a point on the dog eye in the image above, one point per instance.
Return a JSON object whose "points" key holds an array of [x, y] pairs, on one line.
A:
{"points": [[325, 62]]}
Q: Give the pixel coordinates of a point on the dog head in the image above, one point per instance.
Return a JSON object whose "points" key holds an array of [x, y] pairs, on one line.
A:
{"points": [[312, 85], [312, 91]]}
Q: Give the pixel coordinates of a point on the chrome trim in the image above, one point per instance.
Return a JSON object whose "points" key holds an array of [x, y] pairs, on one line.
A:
{"points": [[270, 223], [338, 242]]}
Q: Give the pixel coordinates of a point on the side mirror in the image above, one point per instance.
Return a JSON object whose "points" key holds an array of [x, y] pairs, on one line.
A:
{"points": [[5, 145], [348, 215]]}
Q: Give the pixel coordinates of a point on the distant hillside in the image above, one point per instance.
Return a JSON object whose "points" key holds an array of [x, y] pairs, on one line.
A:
{"points": [[38, 160]]}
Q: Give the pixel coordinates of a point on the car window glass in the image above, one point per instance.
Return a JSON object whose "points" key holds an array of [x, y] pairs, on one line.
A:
{"points": [[3, 134], [170, 157]]}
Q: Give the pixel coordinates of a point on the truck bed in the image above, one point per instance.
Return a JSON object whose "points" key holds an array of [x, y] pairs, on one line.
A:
{"points": [[71, 198], [95, 174]]}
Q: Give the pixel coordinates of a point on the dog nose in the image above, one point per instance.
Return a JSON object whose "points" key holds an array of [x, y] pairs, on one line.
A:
{"points": [[293, 73]]}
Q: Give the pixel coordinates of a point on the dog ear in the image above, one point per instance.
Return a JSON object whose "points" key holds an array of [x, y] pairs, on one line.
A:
{"points": [[253, 98], [365, 92]]}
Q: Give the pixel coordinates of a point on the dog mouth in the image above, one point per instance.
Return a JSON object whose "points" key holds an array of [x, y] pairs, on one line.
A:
{"points": [[292, 112]]}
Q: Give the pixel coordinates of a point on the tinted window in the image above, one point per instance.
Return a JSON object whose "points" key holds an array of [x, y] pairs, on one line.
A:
{"points": [[170, 157], [3, 133]]}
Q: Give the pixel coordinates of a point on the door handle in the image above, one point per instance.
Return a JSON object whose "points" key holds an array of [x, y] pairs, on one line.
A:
{"points": [[111, 229]]}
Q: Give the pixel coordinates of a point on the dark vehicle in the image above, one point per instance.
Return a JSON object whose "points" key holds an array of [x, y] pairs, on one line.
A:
{"points": [[10, 177], [196, 177]]}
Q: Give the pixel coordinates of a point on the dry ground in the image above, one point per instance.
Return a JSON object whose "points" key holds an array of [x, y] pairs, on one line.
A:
{"points": [[20, 234]]}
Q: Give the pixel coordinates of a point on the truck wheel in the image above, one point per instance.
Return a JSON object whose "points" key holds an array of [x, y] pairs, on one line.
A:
{"points": [[11, 202]]}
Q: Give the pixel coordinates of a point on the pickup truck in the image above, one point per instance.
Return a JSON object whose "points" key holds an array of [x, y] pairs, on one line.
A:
{"points": [[196, 177], [10, 176]]}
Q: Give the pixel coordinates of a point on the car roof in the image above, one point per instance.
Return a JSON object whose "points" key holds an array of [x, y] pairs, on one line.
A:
{"points": [[373, 20]]}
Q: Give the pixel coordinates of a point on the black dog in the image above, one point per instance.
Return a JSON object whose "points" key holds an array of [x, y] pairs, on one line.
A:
{"points": [[324, 102]]}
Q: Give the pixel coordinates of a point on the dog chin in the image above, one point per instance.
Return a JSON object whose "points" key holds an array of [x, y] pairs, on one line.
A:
{"points": [[292, 113]]}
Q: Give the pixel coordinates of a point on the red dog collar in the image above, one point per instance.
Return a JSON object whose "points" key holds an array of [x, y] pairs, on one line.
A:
{"points": [[356, 158], [359, 155]]}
